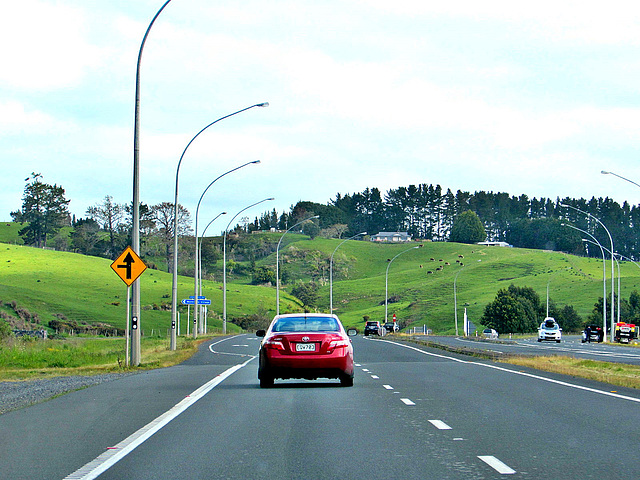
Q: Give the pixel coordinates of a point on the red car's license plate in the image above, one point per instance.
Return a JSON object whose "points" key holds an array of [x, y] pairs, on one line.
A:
{"points": [[305, 347]]}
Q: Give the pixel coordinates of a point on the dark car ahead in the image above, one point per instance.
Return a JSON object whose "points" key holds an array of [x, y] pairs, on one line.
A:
{"points": [[305, 345], [596, 334], [372, 328], [391, 327]]}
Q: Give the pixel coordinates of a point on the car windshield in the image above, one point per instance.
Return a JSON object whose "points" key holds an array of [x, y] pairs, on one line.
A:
{"points": [[306, 324], [372, 324], [550, 325]]}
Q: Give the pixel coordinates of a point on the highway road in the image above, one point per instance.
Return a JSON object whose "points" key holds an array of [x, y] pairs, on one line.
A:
{"points": [[413, 413], [571, 346]]}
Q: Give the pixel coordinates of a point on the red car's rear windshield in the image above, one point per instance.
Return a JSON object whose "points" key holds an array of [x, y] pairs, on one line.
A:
{"points": [[306, 324]]}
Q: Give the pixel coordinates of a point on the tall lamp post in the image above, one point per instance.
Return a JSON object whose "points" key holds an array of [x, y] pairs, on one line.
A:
{"points": [[195, 276], [224, 264], [331, 269], [612, 260], [174, 290], [386, 280], [135, 222], [615, 256], [200, 257], [604, 278], [455, 299], [278, 260]]}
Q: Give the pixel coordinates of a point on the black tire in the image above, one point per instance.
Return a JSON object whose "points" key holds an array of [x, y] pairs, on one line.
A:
{"points": [[346, 381], [266, 381]]}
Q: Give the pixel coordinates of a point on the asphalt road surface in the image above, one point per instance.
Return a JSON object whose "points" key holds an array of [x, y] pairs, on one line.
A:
{"points": [[413, 413], [571, 345]]}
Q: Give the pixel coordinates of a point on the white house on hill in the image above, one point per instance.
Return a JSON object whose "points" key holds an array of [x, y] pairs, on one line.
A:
{"points": [[396, 237]]}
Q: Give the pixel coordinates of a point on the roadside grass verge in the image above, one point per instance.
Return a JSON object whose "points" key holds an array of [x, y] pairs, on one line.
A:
{"points": [[29, 359], [618, 374]]}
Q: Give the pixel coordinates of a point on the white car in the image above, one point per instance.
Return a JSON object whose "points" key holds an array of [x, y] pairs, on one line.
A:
{"points": [[549, 330], [490, 333]]}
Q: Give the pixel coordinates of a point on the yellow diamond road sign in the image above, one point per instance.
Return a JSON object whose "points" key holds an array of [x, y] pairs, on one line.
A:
{"points": [[128, 266]]}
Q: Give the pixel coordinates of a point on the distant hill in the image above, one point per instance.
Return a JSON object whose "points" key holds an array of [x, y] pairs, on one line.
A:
{"points": [[420, 282]]}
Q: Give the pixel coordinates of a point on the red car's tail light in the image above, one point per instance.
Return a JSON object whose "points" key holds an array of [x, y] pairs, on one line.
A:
{"points": [[274, 343], [337, 343]]}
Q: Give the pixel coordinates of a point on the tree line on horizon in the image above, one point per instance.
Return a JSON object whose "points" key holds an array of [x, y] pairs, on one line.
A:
{"points": [[427, 212], [424, 211]]}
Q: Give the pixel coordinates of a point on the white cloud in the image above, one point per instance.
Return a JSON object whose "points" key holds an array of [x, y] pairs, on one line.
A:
{"points": [[44, 45]]}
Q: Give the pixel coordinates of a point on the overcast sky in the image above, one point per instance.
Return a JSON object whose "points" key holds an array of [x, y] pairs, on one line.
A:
{"points": [[530, 98]]}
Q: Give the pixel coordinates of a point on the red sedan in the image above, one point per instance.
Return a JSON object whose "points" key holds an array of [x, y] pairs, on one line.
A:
{"points": [[305, 345]]}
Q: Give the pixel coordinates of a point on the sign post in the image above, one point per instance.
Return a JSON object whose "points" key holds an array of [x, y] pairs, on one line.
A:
{"points": [[128, 266]]}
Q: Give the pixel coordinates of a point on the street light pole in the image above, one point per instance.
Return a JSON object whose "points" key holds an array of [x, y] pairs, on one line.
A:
{"points": [[195, 276], [174, 289], [604, 278], [386, 279], [200, 257], [455, 299], [224, 263], [135, 222], [612, 259], [331, 270], [278, 260]]}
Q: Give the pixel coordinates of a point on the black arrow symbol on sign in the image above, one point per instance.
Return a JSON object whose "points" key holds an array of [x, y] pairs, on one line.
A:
{"points": [[128, 260]]}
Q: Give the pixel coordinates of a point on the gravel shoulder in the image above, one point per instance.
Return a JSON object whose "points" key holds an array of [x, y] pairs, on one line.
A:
{"points": [[16, 395]]}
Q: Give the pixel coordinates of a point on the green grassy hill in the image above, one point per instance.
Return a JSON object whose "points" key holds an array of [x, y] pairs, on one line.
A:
{"points": [[86, 289], [421, 281]]}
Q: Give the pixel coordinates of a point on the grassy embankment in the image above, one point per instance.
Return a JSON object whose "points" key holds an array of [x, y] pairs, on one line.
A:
{"points": [[22, 359]]}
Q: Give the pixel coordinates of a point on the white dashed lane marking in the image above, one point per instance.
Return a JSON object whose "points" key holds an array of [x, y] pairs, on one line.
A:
{"points": [[388, 387], [406, 401], [497, 465], [440, 425]]}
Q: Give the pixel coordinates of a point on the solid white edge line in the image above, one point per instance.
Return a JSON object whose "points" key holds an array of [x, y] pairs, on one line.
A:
{"points": [[114, 454], [497, 465], [440, 425], [514, 372]]}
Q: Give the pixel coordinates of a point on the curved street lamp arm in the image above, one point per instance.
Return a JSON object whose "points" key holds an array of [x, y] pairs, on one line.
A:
{"points": [[604, 172]]}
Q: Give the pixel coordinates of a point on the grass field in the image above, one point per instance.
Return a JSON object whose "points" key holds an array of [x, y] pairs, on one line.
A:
{"points": [[421, 281]]}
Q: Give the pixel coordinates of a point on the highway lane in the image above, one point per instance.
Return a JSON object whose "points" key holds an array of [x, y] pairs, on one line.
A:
{"points": [[413, 413], [570, 345]]}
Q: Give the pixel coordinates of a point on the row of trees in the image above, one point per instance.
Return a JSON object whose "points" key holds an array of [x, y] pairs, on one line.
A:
{"points": [[519, 310], [426, 211], [104, 232]]}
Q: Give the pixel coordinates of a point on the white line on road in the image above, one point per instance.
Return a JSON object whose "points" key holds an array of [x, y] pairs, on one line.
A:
{"points": [[497, 465], [375, 377], [440, 425], [388, 387], [406, 401], [516, 372], [226, 353], [114, 454]]}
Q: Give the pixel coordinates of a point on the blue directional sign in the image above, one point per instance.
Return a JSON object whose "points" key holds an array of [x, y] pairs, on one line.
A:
{"points": [[191, 301]]}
